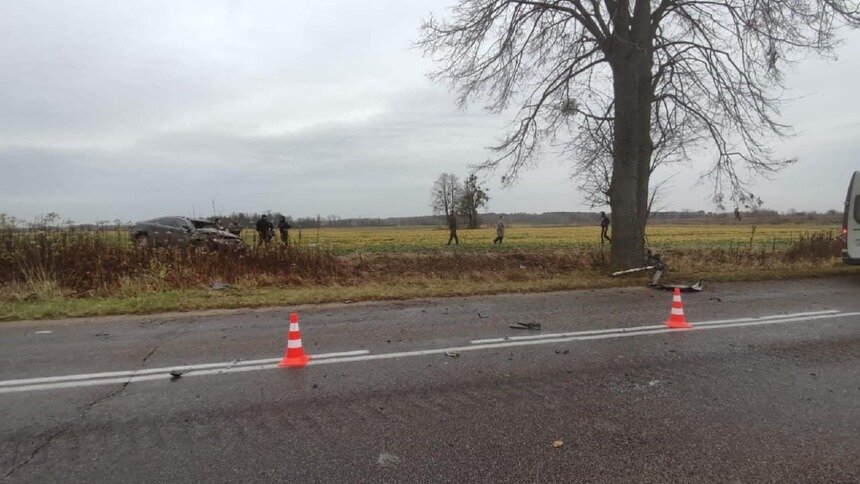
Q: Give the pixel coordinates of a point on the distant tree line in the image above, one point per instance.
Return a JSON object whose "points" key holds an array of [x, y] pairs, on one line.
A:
{"points": [[247, 220], [548, 218]]}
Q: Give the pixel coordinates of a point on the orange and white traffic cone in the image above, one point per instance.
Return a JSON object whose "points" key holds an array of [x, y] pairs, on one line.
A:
{"points": [[294, 355], [676, 316]]}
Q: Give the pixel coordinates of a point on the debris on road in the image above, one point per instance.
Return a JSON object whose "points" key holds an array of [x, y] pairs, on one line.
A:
{"points": [[655, 262], [388, 460], [631, 271], [694, 287], [534, 326], [558, 444], [175, 375], [452, 354]]}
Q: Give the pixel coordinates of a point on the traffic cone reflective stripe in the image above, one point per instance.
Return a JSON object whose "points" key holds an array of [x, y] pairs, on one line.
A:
{"points": [[294, 354], [676, 315]]}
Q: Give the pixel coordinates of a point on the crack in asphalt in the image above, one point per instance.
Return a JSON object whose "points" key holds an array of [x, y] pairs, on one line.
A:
{"points": [[69, 423]]}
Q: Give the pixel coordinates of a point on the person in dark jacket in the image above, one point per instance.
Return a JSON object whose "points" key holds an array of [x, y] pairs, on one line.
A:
{"points": [[265, 230], [283, 228], [452, 228], [604, 228]]}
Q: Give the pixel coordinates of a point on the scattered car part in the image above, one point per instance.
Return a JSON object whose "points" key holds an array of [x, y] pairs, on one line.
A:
{"points": [[655, 262], [694, 287]]}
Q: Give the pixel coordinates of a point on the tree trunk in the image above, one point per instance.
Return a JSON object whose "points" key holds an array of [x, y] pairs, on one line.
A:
{"points": [[628, 190], [473, 219]]}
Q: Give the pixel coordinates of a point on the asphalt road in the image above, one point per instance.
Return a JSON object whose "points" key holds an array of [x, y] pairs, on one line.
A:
{"points": [[764, 388]]}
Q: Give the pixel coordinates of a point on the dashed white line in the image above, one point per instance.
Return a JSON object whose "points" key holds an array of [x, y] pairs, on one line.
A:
{"points": [[509, 344], [123, 375], [135, 378], [643, 328], [71, 381]]}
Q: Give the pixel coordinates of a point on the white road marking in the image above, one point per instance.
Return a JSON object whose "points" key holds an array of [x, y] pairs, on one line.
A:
{"points": [[509, 344], [43, 332], [52, 383], [762, 318], [563, 335], [186, 369], [136, 378], [641, 328]]}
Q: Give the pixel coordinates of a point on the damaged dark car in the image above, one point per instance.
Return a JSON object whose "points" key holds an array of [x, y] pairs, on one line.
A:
{"points": [[183, 232]]}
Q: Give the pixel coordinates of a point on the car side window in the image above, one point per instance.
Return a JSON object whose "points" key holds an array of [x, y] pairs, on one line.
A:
{"points": [[179, 223], [857, 209]]}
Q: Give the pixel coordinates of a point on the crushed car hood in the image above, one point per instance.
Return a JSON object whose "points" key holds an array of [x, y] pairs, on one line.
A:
{"points": [[219, 233]]}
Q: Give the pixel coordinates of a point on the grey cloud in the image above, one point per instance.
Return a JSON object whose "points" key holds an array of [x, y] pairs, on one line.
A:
{"points": [[132, 109]]}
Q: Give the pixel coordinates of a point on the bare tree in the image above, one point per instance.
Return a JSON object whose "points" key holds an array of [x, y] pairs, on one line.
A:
{"points": [[472, 198], [446, 195], [657, 194], [636, 82]]}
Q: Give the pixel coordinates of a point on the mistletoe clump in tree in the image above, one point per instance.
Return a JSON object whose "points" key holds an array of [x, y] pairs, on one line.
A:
{"points": [[623, 86], [473, 197]]}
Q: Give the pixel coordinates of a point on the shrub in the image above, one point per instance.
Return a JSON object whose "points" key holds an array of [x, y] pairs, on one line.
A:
{"points": [[45, 262]]}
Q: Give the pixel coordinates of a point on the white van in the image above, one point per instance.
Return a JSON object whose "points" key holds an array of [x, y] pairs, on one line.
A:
{"points": [[851, 222]]}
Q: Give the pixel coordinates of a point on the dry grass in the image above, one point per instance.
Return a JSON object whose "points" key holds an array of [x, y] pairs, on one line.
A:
{"points": [[52, 273]]}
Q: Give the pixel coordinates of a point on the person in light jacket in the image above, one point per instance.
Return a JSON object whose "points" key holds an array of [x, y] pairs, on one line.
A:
{"points": [[500, 230]]}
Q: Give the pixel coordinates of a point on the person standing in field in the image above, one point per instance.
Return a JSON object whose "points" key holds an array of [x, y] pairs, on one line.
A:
{"points": [[452, 228], [283, 228], [500, 231], [264, 230], [234, 228], [604, 228]]}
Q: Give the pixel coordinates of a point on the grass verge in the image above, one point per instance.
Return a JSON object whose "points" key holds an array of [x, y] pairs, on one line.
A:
{"points": [[402, 288]]}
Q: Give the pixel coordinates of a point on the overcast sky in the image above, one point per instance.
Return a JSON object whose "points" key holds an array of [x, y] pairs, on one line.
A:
{"points": [[133, 109]]}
